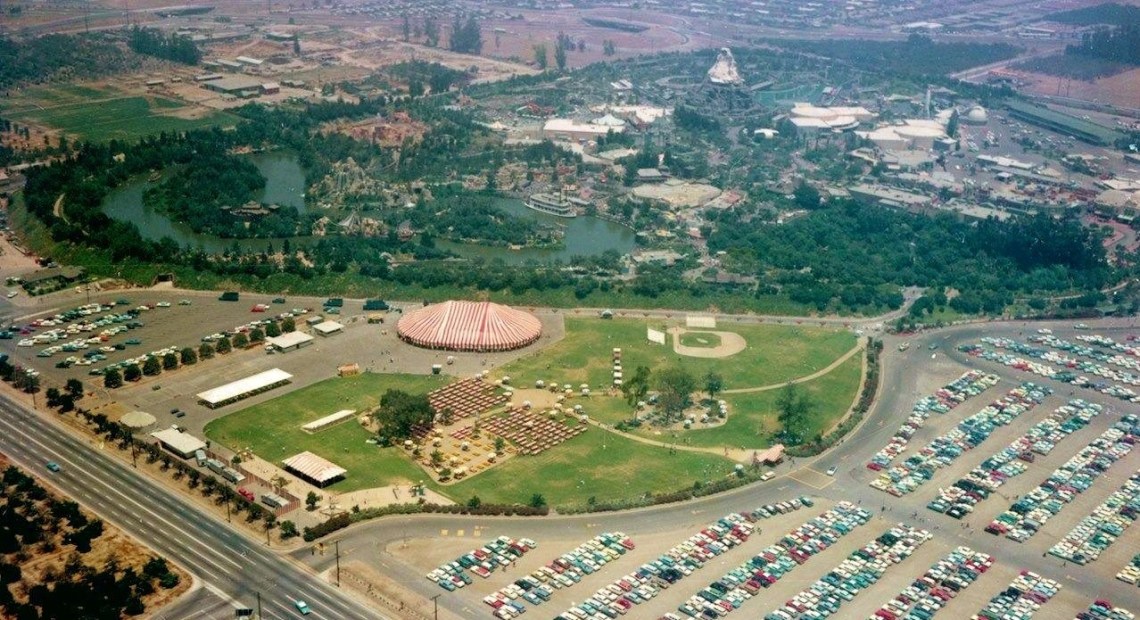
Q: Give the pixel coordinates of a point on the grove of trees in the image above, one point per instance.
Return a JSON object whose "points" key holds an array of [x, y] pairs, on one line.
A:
{"points": [[173, 47]]}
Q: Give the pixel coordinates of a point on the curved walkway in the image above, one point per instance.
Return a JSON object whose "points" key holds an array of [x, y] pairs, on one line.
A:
{"points": [[745, 455]]}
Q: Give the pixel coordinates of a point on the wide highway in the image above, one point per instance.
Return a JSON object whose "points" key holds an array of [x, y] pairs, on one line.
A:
{"points": [[231, 569]]}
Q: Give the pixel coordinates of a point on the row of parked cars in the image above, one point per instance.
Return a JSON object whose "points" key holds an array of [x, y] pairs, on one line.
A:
{"points": [[563, 572], [942, 401], [497, 554], [1107, 522], [1131, 571], [1021, 599], [621, 595], [1083, 373], [857, 572], [1029, 514], [928, 594], [1102, 609], [773, 562], [905, 477], [960, 499]]}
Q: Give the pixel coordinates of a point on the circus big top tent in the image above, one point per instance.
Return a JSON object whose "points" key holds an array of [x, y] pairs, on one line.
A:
{"points": [[469, 326]]}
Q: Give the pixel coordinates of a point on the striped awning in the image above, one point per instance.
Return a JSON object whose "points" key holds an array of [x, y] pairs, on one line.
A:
{"points": [[469, 326]]}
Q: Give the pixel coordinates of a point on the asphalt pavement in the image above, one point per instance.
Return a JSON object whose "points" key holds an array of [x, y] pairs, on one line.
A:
{"points": [[231, 569]]}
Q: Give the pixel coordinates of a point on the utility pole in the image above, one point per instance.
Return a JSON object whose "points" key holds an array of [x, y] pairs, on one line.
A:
{"points": [[337, 543], [259, 606], [435, 604]]}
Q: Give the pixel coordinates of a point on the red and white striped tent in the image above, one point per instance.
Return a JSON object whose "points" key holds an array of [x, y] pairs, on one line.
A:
{"points": [[469, 326]]}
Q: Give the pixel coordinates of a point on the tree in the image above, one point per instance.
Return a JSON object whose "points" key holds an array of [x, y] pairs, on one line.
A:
{"points": [[169, 361], [714, 383], [406, 28], [132, 372], [189, 356], [223, 346], [273, 330], [674, 385], [474, 502], [806, 196], [53, 395], [637, 386], [793, 409], [288, 529], [400, 412], [311, 500], [74, 387], [952, 124], [540, 56], [205, 351], [296, 45], [537, 501], [446, 416], [466, 37], [288, 325], [500, 444], [560, 57], [241, 340], [436, 458], [608, 48], [431, 32], [152, 366], [256, 335], [112, 379]]}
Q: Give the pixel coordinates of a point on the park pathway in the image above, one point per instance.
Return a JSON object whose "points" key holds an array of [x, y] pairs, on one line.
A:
{"points": [[744, 455]]}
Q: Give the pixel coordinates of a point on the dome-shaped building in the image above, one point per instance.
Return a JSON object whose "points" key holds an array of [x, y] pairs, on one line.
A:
{"points": [[976, 116], [469, 326]]}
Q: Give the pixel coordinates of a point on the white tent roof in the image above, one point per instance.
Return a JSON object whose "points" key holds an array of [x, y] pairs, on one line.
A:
{"points": [[244, 386], [291, 339], [328, 327], [182, 443], [314, 467]]}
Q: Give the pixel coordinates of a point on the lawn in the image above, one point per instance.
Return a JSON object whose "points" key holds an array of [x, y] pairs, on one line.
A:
{"points": [[752, 418], [775, 353], [123, 118], [597, 464], [273, 428]]}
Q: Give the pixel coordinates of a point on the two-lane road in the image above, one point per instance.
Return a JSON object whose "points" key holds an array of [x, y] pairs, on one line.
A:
{"points": [[232, 568]]}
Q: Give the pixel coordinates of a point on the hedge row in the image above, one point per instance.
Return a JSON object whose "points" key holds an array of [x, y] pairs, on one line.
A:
{"points": [[344, 520]]}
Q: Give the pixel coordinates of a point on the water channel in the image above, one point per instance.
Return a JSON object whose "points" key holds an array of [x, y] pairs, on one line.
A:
{"points": [[285, 182]]}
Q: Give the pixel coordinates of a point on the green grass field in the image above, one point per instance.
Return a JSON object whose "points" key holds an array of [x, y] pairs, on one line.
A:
{"points": [[597, 464], [99, 116], [775, 353], [273, 429], [752, 419]]}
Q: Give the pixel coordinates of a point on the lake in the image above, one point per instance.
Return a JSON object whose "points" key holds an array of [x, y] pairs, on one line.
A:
{"points": [[285, 182]]}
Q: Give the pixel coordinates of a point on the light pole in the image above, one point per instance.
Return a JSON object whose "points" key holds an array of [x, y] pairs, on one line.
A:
{"points": [[435, 604], [337, 543]]}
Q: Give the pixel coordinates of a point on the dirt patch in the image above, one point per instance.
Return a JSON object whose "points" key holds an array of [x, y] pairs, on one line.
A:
{"points": [[731, 343], [1122, 89]]}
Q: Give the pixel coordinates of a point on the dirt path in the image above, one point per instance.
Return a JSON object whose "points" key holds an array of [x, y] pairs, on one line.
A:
{"points": [[737, 454]]}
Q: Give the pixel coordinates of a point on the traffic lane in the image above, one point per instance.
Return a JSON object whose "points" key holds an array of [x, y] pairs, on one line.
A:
{"points": [[88, 469]]}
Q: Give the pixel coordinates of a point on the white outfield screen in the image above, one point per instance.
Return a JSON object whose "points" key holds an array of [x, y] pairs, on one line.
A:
{"points": [[705, 322], [655, 335]]}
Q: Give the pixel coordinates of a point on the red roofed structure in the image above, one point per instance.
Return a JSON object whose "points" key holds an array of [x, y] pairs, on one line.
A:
{"points": [[469, 326]]}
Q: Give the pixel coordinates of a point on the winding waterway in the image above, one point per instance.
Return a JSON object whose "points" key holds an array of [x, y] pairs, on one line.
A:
{"points": [[285, 182]]}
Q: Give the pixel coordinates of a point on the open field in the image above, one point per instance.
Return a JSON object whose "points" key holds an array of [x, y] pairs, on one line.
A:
{"points": [[273, 429], [774, 354], [97, 118], [752, 418], [597, 464]]}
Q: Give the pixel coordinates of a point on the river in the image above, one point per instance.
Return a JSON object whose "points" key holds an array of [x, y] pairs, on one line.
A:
{"points": [[285, 182]]}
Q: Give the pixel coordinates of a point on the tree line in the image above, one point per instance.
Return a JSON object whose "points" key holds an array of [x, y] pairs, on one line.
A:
{"points": [[1114, 44], [60, 57], [173, 47]]}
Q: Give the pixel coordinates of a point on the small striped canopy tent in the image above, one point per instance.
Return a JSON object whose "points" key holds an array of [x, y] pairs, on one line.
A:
{"points": [[469, 326]]}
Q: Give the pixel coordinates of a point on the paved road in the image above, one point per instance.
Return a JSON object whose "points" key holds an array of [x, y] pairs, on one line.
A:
{"points": [[231, 568]]}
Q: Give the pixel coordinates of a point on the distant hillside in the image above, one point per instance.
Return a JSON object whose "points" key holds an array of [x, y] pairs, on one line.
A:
{"points": [[918, 55], [1110, 14]]}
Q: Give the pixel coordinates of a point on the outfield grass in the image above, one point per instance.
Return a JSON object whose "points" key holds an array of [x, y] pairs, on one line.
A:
{"points": [[774, 354], [596, 464], [123, 118], [273, 428], [752, 419]]}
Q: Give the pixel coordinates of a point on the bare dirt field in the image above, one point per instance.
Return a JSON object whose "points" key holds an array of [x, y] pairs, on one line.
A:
{"points": [[1122, 89]]}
